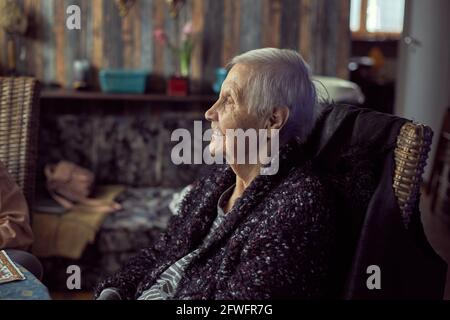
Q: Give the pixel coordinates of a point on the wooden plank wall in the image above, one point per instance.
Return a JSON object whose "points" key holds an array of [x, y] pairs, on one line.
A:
{"points": [[316, 28]]}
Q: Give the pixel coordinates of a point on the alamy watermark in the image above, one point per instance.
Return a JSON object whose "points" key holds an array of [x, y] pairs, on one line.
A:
{"points": [[235, 146], [73, 21], [374, 280], [74, 279]]}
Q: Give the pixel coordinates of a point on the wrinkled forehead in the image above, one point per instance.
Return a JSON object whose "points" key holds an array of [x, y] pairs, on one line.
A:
{"points": [[237, 78]]}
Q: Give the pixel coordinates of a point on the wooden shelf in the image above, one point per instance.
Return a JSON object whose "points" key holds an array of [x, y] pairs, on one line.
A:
{"points": [[91, 95]]}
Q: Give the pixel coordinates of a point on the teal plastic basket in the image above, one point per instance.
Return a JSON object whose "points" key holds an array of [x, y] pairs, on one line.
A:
{"points": [[123, 81]]}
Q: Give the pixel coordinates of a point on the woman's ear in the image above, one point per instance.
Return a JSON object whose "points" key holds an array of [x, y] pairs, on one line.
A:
{"points": [[278, 117]]}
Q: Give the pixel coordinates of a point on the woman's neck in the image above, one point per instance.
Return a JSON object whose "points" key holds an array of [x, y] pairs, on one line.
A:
{"points": [[245, 174]]}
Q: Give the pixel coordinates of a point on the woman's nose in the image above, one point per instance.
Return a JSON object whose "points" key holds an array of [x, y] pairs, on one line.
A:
{"points": [[211, 114]]}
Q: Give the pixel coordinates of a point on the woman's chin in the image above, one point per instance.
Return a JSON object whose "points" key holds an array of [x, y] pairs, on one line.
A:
{"points": [[212, 149], [215, 149]]}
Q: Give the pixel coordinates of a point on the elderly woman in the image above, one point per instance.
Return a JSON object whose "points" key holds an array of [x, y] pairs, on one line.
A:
{"points": [[240, 234]]}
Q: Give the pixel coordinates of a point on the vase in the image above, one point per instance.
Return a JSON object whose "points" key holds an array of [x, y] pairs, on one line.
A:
{"points": [[178, 86]]}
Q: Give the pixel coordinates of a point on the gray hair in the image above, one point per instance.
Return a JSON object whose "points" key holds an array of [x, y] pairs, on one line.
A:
{"points": [[280, 77]]}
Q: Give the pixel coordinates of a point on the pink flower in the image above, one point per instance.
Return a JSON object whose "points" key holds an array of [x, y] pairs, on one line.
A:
{"points": [[187, 29], [160, 36]]}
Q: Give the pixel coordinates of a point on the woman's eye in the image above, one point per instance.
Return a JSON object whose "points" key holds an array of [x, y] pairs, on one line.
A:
{"points": [[229, 101]]}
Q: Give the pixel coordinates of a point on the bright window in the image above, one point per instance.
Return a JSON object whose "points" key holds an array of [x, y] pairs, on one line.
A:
{"points": [[376, 18]]}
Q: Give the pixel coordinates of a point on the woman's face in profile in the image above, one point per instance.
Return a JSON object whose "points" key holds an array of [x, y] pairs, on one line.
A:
{"points": [[230, 112]]}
